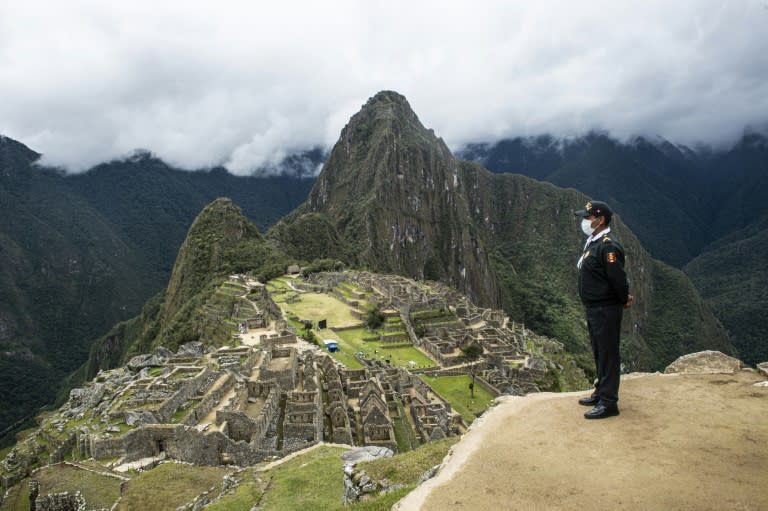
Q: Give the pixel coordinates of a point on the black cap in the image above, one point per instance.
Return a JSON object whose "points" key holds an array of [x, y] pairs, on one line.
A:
{"points": [[595, 208]]}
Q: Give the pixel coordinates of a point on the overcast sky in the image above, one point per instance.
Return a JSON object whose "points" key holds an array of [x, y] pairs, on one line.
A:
{"points": [[244, 83]]}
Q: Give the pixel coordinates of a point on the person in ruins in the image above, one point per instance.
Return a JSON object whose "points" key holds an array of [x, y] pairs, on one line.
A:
{"points": [[604, 291]]}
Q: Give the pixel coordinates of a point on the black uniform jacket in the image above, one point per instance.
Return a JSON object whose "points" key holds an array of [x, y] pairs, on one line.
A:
{"points": [[602, 279]]}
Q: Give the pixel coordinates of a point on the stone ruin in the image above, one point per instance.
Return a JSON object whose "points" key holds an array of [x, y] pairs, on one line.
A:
{"points": [[448, 323], [245, 404]]}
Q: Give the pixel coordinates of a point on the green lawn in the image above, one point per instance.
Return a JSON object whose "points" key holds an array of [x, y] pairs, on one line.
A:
{"points": [[99, 491], [243, 497], [311, 481], [352, 341], [168, 486], [279, 285], [314, 480], [456, 390], [317, 306]]}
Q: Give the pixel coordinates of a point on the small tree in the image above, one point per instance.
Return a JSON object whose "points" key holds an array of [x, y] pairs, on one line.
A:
{"points": [[308, 334], [471, 354], [374, 319]]}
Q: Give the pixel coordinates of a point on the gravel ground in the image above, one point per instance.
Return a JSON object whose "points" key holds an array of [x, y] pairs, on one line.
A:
{"points": [[683, 442]]}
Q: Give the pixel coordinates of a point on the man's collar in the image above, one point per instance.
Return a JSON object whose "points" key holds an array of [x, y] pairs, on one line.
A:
{"points": [[599, 235]]}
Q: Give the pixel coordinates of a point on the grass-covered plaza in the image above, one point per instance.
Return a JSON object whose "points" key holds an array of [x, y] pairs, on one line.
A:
{"points": [[339, 316], [351, 341]]}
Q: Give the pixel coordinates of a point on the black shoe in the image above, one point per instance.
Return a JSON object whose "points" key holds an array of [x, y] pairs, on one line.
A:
{"points": [[589, 401], [602, 412]]}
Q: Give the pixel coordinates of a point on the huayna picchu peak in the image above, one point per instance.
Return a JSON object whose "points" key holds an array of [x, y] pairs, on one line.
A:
{"points": [[391, 192]]}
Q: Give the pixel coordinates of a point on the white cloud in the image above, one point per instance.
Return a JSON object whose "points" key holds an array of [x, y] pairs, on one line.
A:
{"points": [[242, 83]]}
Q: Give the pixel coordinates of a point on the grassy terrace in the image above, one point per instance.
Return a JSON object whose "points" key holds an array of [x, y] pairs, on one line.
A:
{"points": [[232, 289], [99, 491], [399, 354], [456, 390], [316, 306], [313, 480], [168, 486], [279, 284]]}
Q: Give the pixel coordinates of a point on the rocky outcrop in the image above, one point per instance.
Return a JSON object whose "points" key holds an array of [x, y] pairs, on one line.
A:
{"points": [[705, 362], [141, 361], [357, 483]]}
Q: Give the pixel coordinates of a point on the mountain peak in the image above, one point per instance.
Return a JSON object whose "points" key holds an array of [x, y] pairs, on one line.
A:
{"points": [[381, 142], [391, 191], [14, 155], [389, 104], [385, 116], [211, 248]]}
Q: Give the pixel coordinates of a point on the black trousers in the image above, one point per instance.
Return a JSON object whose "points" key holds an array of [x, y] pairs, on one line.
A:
{"points": [[604, 324]]}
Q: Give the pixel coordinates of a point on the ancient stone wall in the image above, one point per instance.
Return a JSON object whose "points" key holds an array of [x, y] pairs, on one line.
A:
{"points": [[188, 390], [487, 386], [276, 340], [239, 427], [285, 376], [303, 420], [209, 402], [270, 410], [64, 448], [393, 338], [59, 502]]}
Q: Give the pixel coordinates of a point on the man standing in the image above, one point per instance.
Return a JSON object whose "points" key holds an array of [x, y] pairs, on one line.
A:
{"points": [[604, 290]]}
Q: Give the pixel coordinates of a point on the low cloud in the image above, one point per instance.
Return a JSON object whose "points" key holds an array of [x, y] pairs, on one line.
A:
{"points": [[244, 85]]}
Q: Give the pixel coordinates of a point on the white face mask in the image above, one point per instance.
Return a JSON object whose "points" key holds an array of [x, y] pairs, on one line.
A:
{"points": [[586, 226]]}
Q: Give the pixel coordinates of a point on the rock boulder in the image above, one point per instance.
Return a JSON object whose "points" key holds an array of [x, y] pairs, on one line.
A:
{"points": [[705, 362]]}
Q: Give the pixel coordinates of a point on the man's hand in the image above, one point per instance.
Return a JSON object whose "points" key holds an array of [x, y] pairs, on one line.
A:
{"points": [[630, 299]]}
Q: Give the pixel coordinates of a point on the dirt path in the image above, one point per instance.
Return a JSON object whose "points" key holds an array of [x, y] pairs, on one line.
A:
{"points": [[695, 442]]}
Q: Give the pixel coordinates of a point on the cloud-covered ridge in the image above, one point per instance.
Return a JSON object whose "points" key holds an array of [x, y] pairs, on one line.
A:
{"points": [[244, 84]]}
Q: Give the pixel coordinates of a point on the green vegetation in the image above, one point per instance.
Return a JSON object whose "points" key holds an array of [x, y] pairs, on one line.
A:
{"points": [[319, 265], [311, 481], [361, 340], [100, 491], [318, 306], [242, 498], [407, 468], [455, 389], [374, 319], [738, 293], [169, 485], [308, 237], [309, 335], [404, 433], [278, 284], [683, 322]]}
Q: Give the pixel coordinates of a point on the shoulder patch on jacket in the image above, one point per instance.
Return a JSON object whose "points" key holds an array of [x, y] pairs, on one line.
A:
{"points": [[611, 257]]}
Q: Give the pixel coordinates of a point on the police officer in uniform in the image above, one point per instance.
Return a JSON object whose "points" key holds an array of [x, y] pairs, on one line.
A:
{"points": [[604, 290]]}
